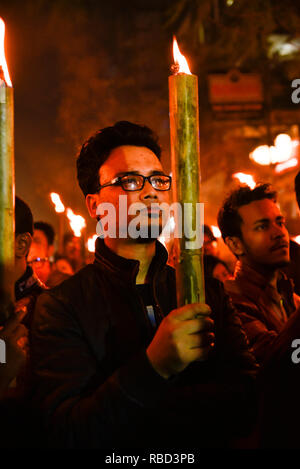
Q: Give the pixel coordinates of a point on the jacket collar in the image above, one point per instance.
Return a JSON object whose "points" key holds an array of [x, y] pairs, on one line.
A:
{"points": [[127, 269], [27, 283], [256, 284]]}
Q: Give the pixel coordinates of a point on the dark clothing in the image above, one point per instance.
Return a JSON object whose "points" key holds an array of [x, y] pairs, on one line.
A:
{"points": [[20, 424], [27, 289], [280, 383], [93, 379], [293, 269], [262, 309]]}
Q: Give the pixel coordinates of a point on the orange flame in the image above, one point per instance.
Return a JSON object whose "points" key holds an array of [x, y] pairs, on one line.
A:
{"points": [[245, 179], [77, 222], [3, 63], [179, 59], [59, 206], [91, 243]]}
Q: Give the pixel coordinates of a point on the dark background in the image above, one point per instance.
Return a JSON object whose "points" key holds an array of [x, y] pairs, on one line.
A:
{"points": [[77, 66]]}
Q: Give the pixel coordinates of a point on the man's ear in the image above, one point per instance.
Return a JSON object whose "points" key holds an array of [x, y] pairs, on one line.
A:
{"points": [[22, 244], [92, 201], [235, 245]]}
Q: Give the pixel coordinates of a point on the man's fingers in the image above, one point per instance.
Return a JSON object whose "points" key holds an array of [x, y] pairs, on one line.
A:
{"points": [[191, 311], [200, 340], [194, 326]]}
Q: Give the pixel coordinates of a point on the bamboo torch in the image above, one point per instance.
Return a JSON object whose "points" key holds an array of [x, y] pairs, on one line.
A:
{"points": [[185, 156], [7, 219]]}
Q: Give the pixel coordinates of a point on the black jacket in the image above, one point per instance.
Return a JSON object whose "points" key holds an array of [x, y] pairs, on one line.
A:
{"points": [[94, 382]]}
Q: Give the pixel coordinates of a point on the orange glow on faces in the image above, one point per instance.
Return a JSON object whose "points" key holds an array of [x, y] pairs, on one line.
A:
{"points": [[179, 59], [59, 206], [3, 63]]}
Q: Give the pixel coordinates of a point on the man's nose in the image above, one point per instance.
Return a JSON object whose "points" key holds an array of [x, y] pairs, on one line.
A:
{"points": [[278, 231], [148, 191]]}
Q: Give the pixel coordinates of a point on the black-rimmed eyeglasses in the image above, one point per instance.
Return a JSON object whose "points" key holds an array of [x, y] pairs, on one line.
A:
{"points": [[136, 182]]}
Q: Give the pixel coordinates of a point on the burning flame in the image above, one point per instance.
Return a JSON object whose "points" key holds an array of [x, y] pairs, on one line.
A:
{"points": [[77, 222], [281, 151], [245, 179], [296, 239], [179, 59], [216, 232], [292, 163], [91, 243], [3, 63], [59, 206]]}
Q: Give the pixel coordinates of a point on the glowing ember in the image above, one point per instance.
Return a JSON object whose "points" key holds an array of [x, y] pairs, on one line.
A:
{"points": [[59, 206], [3, 63], [77, 222], [179, 59], [292, 163], [245, 179], [91, 243], [216, 231]]}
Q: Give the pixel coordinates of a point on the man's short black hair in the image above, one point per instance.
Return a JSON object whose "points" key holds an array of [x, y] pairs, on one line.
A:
{"points": [[297, 188], [47, 229], [229, 220], [95, 151], [23, 217]]}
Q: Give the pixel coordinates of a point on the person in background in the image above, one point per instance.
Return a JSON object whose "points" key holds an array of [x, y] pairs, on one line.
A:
{"points": [[293, 269], [73, 251], [42, 250], [253, 227], [18, 420], [61, 270], [216, 268], [210, 244]]}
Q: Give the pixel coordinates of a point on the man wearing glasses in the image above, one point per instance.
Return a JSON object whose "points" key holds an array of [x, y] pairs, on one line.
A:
{"points": [[116, 364]]}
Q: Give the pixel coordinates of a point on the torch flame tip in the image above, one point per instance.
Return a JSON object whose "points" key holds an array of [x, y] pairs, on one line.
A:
{"points": [[3, 64], [181, 65]]}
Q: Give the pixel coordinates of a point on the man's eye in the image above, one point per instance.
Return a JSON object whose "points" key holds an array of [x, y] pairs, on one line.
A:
{"points": [[261, 227]]}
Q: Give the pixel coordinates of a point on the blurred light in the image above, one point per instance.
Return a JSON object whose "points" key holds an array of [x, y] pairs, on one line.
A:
{"points": [[91, 243], [59, 206], [261, 155], [292, 163], [296, 239], [284, 145], [77, 222], [229, 3], [281, 151], [216, 231], [245, 179]]}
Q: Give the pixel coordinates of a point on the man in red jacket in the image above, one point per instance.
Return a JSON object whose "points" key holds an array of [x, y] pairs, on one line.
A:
{"points": [[253, 227], [116, 363]]}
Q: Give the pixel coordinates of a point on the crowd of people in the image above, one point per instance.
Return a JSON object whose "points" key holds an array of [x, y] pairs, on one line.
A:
{"points": [[101, 356]]}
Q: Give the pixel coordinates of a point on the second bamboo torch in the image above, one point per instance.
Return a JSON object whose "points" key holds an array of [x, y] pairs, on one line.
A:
{"points": [[185, 156], [7, 184]]}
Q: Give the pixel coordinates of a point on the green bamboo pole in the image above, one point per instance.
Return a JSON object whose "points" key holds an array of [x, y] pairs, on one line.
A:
{"points": [[7, 173], [185, 156]]}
